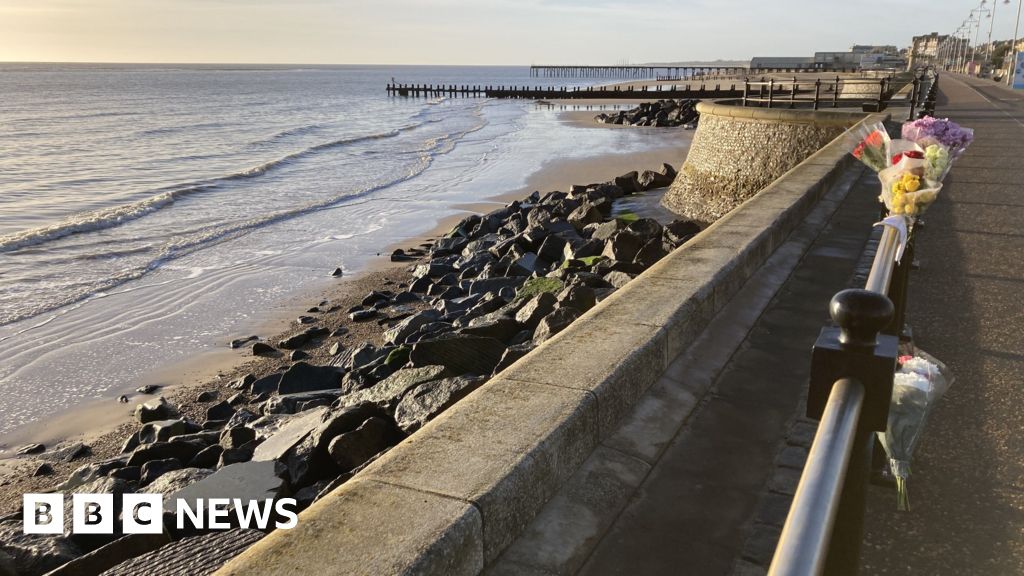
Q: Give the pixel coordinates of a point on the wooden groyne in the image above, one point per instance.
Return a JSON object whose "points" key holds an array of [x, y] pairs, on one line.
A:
{"points": [[702, 90]]}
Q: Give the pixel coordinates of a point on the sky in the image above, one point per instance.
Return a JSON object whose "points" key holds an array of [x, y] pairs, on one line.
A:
{"points": [[513, 32]]}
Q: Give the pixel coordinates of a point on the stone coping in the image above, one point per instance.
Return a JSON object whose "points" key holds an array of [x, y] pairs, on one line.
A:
{"points": [[451, 497], [729, 108]]}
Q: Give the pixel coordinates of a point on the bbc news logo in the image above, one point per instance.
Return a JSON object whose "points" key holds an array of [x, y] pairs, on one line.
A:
{"points": [[143, 513]]}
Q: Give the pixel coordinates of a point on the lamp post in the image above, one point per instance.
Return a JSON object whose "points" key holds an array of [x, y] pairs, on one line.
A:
{"points": [[976, 20], [1013, 49]]}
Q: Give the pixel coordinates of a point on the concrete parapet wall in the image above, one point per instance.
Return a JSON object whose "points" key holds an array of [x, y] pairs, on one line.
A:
{"points": [[737, 151], [450, 498]]}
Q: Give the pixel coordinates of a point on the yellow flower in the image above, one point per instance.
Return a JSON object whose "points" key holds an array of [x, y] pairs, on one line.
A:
{"points": [[911, 209], [912, 184]]}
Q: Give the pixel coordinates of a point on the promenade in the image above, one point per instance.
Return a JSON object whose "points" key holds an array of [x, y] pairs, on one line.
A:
{"points": [[724, 428], [967, 308]]}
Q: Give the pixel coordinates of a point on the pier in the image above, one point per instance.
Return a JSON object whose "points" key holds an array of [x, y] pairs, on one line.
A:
{"points": [[653, 72], [701, 90]]}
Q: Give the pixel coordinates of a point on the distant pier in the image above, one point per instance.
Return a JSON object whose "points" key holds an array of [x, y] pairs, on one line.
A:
{"points": [[701, 90], [659, 72]]}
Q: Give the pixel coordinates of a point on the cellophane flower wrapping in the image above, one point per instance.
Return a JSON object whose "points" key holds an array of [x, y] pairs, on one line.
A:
{"points": [[906, 190], [928, 130], [917, 386], [942, 140], [871, 145]]}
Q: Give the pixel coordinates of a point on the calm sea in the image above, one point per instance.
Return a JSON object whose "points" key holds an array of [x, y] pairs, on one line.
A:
{"points": [[149, 212]]}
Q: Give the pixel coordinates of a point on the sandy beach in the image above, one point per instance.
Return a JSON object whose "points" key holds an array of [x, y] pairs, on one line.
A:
{"points": [[102, 425]]}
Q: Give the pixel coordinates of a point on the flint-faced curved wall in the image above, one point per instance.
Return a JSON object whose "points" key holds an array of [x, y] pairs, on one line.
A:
{"points": [[738, 151]]}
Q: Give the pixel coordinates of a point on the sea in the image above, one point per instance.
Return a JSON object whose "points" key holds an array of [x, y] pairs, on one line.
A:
{"points": [[149, 213]]}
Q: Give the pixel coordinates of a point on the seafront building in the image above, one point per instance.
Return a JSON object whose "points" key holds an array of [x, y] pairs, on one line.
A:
{"points": [[858, 56]]}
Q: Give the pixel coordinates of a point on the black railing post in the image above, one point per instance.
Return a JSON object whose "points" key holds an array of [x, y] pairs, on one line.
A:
{"points": [[817, 92], [835, 94], [771, 91]]}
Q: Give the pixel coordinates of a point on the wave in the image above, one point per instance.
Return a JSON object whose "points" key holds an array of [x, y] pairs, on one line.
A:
{"points": [[117, 215], [432, 148]]}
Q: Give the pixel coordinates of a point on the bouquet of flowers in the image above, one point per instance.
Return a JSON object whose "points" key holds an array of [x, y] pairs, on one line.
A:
{"points": [[872, 146], [906, 190], [917, 386], [941, 141]]}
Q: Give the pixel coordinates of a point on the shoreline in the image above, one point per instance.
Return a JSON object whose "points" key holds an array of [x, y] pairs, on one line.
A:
{"points": [[102, 428]]}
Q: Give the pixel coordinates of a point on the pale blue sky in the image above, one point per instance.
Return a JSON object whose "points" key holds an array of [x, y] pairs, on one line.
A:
{"points": [[464, 31]]}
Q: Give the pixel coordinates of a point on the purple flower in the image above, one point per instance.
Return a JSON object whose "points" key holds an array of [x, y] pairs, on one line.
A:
{"points": [[929, 130]]}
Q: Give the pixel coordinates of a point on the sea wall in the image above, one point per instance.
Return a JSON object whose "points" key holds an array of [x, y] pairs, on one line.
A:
{"points": [[737, 151], [450, 498]]}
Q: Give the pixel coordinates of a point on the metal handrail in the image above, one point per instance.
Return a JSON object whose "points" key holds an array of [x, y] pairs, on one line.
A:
{"points": [[880, 276], [824, 524], [803, 546]]}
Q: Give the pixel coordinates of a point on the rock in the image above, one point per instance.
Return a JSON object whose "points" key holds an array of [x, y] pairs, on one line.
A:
{"points": [[500, 328], [293, 431], [180, 450], [303, 377], [353, 448], [401, 331], [622, 246], [554, 323], [240, 418], [33, 554], [606, 230], [265, 384], [680, 231], [446, 246], [147, 389], [236, 437], [300, 402], [577, 296], [375, 297], [514, 353], [206, 396], [297, 355], [244, 481], [30, 449], [551, 249], [338, 273], [122, 399], [262, 349], [536, 308], [91, 472], [207, 457], [618, 279], [305, 320], [628, 182], [651, 179], [158, 409], [234, 456], [68, 452], [650, 253], [389, 391], [44, 469], [220, 411], [155, 468], [244, 383], [236, 400], [645, 228], [362, 315], [535, 286], [156, 431], [174, 480], [309, 460], [400, 256], [461, 354], [292, 342], [429, 399], [128, 473], [239, 342], [585, 214]]}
